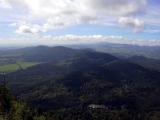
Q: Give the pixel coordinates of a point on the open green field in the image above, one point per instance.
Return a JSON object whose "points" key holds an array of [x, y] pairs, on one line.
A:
{"points": [[17, 66]]}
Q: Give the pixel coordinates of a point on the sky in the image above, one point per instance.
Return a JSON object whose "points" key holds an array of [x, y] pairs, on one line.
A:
{"points": [[52, 22]]}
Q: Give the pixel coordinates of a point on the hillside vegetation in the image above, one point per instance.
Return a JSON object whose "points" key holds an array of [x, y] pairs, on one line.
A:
{"points": [[87, 85], [17, 66]]}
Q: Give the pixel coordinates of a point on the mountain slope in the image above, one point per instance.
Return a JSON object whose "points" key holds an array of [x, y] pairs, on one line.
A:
{"points": [[149, 63], [81, 61], [124, 50], [87, 78], [36, 54]]}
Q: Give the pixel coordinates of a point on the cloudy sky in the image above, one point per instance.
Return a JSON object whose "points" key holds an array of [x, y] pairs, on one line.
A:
{"points": [[49, 22]]}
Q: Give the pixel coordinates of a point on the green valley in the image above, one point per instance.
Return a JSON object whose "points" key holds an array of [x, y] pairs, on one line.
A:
{"points": [[17, 66]]}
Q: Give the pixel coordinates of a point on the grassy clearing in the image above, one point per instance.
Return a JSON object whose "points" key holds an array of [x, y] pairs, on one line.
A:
{"points": [[17, 66]]}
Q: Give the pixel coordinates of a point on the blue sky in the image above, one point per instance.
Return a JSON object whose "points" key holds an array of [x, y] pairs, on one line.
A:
{"points": [[34, 22]]}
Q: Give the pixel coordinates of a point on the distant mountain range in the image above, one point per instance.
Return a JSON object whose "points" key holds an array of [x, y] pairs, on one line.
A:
{"points": [[124, 50]]}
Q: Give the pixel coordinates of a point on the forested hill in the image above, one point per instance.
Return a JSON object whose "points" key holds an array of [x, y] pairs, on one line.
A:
{"points": [[36, 54], [12, 108], [86, 85]]}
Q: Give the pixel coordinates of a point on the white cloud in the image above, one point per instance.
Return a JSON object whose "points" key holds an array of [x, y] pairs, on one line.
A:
{"points": [[75, 39], [133, 23], [57, 14], [4, 4], [13, 24], [152, 31], [117, 7], [28, 29]]}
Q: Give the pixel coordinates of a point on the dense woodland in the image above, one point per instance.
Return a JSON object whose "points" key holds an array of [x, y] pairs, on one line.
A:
{"points": [[79, 84]]}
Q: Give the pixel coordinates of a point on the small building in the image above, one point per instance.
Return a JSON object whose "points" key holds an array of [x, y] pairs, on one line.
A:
{"points": [[96, 106]]}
